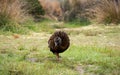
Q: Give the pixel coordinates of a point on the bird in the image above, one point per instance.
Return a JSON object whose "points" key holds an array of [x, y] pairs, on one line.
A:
{"points": [[58, 43]]}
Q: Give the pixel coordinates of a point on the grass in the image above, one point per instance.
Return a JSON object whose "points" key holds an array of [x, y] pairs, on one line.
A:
{"points": [[108, 12], [88, 54], [99, 59], [93, 60], [10, 13], [12, 16], [78, 23], [50, 26]]}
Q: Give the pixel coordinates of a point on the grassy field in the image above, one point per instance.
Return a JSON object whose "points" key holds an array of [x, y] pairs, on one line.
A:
{"points": [[94, 50]]}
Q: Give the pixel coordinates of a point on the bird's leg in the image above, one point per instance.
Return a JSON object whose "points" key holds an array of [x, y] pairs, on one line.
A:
{"points": [[57, 54]]}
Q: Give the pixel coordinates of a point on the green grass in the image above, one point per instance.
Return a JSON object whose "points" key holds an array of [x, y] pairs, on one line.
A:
{"points": [[48, 25], [77, 23], [99, 58], [42, 26], [93, 60], [88, 54], [27, 27]]}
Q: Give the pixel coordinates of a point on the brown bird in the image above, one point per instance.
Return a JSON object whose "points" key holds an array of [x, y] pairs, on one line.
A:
{"points": [[58, 43]]}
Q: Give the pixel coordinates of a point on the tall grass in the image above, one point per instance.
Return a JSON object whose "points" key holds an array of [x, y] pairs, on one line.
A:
{"points": [[108, 11], [11, 13]]}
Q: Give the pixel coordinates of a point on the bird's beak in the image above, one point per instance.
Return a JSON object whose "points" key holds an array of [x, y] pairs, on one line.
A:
{"points": [[56, 44]]}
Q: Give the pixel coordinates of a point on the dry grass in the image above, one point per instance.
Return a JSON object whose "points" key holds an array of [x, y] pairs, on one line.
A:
{"points": [[108, 11], [12, 9]]}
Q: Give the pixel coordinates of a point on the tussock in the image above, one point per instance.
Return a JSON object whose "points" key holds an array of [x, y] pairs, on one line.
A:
{"points": [[108, 11], [12, 10]]}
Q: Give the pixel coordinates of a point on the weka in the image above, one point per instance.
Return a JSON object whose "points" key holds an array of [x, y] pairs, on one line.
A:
{"points": [[58, 43]]}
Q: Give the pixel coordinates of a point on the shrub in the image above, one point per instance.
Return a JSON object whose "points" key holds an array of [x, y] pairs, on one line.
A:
{"points": [[78, 9], [3, 20], [34, 7], [71, 9], [108, 11]]}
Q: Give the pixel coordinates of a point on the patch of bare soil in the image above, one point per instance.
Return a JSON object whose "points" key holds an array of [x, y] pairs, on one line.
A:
{"points": [[79, 68]]}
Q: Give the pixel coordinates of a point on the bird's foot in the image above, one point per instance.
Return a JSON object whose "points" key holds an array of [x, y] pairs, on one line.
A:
{"points": [[58, 57]]}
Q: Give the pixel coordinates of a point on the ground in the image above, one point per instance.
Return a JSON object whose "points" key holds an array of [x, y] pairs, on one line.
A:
{"points": [[94, 50]]}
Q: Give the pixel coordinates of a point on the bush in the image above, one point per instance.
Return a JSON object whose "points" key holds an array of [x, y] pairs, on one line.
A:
{"points": [[108, 11], [3, 20], [78, 9], [71, 9], [34, 7]]}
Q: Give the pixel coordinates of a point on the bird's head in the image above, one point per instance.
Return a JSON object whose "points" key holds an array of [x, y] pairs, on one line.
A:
{"points": [[57, 41]]}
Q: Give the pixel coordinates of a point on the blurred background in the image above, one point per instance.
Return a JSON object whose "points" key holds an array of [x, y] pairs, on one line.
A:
{"points": [[13, 13]]}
